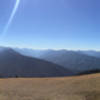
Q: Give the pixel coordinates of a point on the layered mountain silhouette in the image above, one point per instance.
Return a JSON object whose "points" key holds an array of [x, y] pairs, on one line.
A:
{"points": [[13, 64], [38, 53], [91, 53], [76, 61]]}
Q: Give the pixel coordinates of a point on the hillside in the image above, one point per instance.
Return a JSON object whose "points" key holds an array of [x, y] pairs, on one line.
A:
{"points": [[12, 64], [76, 61], [68, 88]]}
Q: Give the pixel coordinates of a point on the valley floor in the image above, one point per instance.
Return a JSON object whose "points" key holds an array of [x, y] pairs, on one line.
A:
{"points": [[68, 88]]}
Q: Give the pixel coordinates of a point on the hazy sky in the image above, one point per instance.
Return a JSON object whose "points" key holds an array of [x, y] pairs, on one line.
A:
{"points": [[59, 24]]}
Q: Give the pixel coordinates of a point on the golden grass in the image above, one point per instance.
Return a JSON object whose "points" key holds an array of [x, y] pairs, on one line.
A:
{"points": [[68, 88]]}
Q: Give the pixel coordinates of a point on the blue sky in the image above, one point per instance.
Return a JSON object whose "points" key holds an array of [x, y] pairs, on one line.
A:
{"points": [[51, 24]]}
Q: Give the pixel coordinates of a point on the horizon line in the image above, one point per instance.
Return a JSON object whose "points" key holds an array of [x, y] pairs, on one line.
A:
{"points": [[56, 49]]}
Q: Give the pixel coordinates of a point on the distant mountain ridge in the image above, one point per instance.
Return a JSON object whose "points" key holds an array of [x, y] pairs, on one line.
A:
{"points": [[92, 53], [13, 64], [76, 61], [38, 53]]}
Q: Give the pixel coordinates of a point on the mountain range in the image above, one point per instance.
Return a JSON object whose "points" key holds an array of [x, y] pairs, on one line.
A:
{"points": [[76, 61], [13, 64]]}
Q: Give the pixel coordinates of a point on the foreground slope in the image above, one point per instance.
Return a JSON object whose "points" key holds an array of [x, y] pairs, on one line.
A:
{"points": [[69, 88], [12, 64]]}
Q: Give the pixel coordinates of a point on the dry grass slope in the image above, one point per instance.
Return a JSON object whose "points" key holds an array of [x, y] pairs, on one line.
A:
{"points": [[68, 88]]}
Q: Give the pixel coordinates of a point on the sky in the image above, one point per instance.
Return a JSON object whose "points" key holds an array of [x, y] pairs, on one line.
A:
{"points": [[50, 24]]}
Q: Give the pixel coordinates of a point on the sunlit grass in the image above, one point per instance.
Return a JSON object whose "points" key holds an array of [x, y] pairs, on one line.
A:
{"points": [[68, 88]]}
